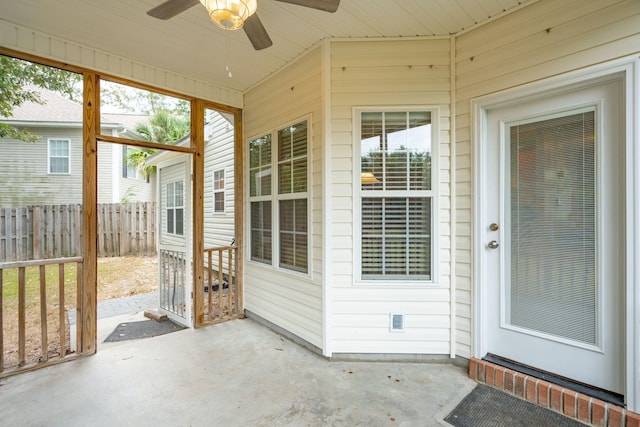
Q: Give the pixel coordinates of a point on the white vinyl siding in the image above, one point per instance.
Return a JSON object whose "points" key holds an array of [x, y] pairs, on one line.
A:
{"points": [[24, 170], [219, 227], [399, 75], [287, 298], [59, 156], [545, 39]]}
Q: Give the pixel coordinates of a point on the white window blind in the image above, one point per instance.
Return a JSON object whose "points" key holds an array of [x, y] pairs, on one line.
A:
{"points": [[553, 284], [175, 208], [282, 210], [260, 198], [261, 243], [218, 191], [396, 196], [260, 166]]}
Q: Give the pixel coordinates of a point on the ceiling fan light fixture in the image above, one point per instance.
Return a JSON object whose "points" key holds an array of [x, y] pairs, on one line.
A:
{"points": [[229, 14]]}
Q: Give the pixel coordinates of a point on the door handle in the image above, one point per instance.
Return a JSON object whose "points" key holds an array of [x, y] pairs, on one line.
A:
{"points": [[493, 244]]}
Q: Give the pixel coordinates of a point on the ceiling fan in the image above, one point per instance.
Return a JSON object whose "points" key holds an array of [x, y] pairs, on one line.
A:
{"points": [[234, 14]]}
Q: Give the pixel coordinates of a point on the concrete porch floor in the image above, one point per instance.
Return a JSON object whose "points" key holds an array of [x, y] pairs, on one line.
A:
{"points": [[237, 373]]}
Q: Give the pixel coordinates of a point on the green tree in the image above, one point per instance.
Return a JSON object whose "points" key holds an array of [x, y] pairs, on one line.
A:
{"points": [[140, 101], [164, 127], [18, 84]]}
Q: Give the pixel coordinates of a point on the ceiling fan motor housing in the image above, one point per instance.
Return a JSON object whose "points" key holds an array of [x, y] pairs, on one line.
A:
{"points": [[236, 14]]}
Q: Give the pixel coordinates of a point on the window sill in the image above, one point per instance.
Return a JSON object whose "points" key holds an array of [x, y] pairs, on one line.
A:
{"points": [[399, 284], [281, 271]]}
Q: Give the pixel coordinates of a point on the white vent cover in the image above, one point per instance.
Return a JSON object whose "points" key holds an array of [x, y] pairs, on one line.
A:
{"points": [[396, 322]]}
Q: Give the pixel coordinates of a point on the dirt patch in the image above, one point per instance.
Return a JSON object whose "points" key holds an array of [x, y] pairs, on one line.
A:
{"points": [[125, 276]]}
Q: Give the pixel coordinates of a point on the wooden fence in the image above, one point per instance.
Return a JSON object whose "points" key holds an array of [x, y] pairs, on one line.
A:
{"points": [[55, 231]]}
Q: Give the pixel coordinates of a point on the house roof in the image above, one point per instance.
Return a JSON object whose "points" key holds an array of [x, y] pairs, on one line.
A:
{"points": [[55, 108], [61, 110], [127, 120], [189, 44]]}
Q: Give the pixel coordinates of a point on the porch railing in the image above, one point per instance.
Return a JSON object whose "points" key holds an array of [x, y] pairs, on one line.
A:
{"points": [[35, 297], [173, 280], [221, 285]]}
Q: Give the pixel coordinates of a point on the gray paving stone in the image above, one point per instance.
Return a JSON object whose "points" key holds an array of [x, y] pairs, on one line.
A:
{"points": [[120, 306]]}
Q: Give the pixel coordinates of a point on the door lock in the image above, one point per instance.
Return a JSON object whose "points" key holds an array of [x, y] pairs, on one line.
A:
{"points": [[493, 244], [494, 227]]}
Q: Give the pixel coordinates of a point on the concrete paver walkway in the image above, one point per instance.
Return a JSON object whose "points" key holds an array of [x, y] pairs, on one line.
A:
{"points": [[236, 373], [122, 306]]}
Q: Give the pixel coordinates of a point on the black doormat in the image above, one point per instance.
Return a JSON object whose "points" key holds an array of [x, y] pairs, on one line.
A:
{"points": [[142, 329], [488, 407]]}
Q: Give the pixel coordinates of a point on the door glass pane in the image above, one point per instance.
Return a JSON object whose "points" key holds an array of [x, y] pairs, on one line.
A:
{"points": [[553, 227]]}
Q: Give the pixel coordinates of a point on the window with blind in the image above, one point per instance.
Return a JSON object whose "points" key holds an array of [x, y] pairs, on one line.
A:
{"points": [[175, 208], [396, 196], [553, 284], [218, 191], [280, 207], [59, 156]]}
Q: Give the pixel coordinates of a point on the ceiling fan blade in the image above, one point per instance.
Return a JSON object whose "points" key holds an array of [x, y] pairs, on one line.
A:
{"points": [[256, 32], [325, 5], [171, 8]]}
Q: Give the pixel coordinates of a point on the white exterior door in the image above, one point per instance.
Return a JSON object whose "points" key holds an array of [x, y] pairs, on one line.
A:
{"points": [[174, 249], [553, 202]]}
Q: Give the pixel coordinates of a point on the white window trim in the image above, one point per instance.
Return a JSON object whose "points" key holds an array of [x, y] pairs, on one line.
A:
{"points": [[214, 191], [275, 199], [435, 195], [167, 207], [49, 156]]}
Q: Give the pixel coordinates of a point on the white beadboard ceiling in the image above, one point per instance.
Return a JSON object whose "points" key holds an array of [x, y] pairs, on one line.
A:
{"points": [[191, 45]]}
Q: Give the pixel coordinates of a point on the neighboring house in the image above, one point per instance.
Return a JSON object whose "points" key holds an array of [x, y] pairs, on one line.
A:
{"points": [[49, 171], [509, 226]]}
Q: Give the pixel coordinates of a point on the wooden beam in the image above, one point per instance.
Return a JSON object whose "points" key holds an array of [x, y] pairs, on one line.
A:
{"points": [[87, 321], [210, 284], [239, 208], [144, 144], [1, 323], [220, 283], [21, 314], [62, 311], [197, 212], [43, 314]]}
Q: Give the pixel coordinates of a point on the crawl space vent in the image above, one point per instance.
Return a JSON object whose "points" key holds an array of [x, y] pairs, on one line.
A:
{"points": [[397, 322]]}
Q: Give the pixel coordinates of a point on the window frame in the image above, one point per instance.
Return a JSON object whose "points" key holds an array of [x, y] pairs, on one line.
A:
{"points": [[174, 207], [359, 194], [276, 198], [222, 190], [49, 156]]}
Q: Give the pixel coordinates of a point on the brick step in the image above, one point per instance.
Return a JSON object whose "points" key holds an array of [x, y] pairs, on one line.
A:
{"points": [[575, 405]]}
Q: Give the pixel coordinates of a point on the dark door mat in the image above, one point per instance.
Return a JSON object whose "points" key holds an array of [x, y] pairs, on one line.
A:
{"points": [[142, 329], [488, 407]]}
